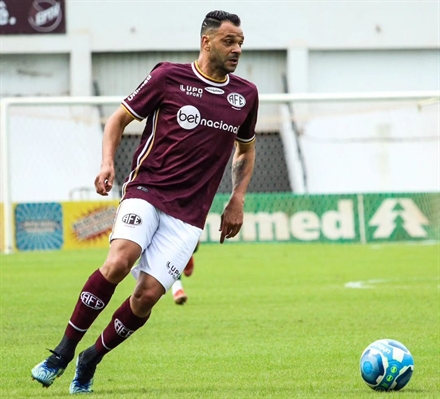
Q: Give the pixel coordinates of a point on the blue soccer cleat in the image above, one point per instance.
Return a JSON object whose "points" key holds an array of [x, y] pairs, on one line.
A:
{"points": [[48, 370], [83, 380]]}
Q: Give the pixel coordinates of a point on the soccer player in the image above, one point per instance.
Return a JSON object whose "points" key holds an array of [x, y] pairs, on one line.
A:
{"points": [[194, 114]]}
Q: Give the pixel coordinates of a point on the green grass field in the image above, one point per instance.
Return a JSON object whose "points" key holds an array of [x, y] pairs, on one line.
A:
{"points": [[262, 321]]}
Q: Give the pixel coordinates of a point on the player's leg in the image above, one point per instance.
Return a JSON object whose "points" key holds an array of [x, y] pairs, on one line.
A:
{"points": [[160, 265], [123, 324], [92, 300], [178, 292], [188, 271], [179, 295], [95, 295]]}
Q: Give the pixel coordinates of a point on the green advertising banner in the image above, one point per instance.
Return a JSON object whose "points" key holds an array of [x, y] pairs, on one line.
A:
{"points": [[357, 218], [287, 217], [348, 218], [401, 217]]}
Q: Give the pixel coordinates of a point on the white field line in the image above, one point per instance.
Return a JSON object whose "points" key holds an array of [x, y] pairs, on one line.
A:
{"points": [[367, 284]]}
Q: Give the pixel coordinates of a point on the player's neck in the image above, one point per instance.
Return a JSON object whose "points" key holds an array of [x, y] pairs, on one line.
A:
{"points": [[210, 73]]}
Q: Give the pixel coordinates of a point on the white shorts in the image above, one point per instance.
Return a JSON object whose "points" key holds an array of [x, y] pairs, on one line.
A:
{"points": [[167, 243]]}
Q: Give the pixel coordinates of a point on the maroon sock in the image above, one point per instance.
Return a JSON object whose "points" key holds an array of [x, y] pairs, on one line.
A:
{"points": [[124, 323], [94, 297]]}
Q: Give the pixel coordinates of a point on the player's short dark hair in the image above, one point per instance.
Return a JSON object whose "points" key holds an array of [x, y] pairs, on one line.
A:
{"points": [[214, 19]]}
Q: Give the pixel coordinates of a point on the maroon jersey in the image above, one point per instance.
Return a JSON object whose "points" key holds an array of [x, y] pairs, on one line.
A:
{"points": [[192, 123]]}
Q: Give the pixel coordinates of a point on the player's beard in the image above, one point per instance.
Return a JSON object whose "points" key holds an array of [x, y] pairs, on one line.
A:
{"points": [[232, 66], [222, 63]]}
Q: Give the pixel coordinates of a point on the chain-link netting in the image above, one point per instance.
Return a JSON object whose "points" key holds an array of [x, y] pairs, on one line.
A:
{"points": [[329, 159], [270, 173]]}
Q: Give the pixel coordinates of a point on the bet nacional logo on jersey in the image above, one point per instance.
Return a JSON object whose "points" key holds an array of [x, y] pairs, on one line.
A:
{"points": [[189, 117]]}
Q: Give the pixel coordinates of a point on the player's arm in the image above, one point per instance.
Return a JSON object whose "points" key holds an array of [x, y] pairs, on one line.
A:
{"points": [[113, 131], [242, 169]]}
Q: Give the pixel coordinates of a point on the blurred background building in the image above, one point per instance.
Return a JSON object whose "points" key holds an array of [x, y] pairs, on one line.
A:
{"points": [[359, 163], [106, 48]]}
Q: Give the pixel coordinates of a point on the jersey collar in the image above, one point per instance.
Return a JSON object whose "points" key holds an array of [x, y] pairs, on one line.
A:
{"points": [[206, 78]]}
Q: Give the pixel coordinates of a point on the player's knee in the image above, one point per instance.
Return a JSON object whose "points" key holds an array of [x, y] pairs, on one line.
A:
{"points": [[120, 259], [144, 300], [116, 267]]}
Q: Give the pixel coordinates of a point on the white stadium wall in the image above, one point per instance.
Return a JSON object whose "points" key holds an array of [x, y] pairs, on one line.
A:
{"points": [[298, 27], [325, 47]]}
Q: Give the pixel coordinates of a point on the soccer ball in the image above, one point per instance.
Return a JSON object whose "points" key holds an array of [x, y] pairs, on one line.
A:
{"points": [[386, 365]]}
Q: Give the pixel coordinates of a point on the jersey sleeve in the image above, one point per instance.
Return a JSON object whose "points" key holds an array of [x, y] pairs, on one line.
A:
{"points": [[148, 95], [246, 133]]}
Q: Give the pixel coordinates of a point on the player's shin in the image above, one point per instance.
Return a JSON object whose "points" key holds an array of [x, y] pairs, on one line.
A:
{"points": [[92, 300], [123, 324]]}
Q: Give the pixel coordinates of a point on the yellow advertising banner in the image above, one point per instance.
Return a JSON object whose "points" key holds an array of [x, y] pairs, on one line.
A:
{"points": [[88, 224]]}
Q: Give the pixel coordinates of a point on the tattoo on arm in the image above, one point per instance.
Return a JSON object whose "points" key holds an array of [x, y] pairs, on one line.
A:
{"points": [[237, 173]]}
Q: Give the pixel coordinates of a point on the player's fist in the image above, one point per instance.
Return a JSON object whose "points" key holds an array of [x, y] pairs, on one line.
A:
{"points": [[104, 181]]}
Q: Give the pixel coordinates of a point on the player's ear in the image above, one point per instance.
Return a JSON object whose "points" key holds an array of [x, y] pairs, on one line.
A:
{"points": [[206, 43]]}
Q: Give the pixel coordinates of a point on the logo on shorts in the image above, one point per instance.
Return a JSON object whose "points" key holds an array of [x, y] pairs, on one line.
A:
{"points": [[132, 219], [121, 330], [92, 301], [173, 271]]}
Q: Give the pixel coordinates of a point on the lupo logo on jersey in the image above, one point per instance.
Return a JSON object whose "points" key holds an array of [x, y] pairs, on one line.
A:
{"points": [[188, 117], [192, 91]]}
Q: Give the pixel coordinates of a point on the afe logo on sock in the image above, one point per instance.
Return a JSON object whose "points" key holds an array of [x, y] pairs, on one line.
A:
{"points": [[121, 330], [92, 301]]}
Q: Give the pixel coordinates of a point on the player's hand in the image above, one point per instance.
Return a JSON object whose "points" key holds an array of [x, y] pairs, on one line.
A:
{"points": [[231, 219], [104, 181]]}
